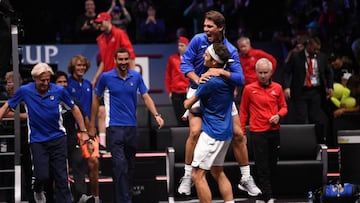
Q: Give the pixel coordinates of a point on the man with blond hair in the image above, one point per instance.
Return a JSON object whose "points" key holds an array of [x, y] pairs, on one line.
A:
{"points": [[46, 131]]}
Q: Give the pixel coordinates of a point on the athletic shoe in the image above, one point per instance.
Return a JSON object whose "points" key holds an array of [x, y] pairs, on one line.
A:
{"points": [[84, 198], [272, 200], [249, 186], [185, 185], [39, 197]]}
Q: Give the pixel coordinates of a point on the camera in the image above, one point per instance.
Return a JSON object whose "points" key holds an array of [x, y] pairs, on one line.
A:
{"points": [[90, 22]]}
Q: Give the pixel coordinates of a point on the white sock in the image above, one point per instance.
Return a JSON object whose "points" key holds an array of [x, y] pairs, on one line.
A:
{"points": [[245, 172], [232, 201], [97, 199], [188, 169], [102, 139]]}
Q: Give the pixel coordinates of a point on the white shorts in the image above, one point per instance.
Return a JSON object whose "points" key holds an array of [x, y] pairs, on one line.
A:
{"points": [[209, 152], [191, 92]]}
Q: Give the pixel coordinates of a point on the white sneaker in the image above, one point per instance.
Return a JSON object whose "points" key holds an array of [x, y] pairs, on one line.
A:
{"points": [[272, 200], [39, 197], [84, 198], [185, 185], [260, 201], [249, 186]]}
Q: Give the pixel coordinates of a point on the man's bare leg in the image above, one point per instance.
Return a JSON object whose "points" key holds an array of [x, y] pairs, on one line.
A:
{"points": [[241, 155], [239, 143], [195, 129], [93, 164], [201, 184], [101, 125], [223, 183]]}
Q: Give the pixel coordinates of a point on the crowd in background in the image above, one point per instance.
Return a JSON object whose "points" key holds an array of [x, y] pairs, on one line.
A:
{"points": [[335, 22], [295, 24], [260, 19]]}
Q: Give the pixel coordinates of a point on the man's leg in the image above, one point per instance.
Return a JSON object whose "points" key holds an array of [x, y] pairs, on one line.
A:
{"points": [[101, 124], [241, 154], [223, 183], [201, 185], [93, 164], [195, 129], [57, 149], [77, 163], [41, 170]]}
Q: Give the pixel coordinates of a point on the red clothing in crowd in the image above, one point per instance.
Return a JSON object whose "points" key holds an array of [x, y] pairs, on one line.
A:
{"points": [[263, 103], [249, 60], [109, 43], [175, 81]]}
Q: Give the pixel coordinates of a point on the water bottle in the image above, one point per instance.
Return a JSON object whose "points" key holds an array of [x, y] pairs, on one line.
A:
{"points": [[3, 146]]}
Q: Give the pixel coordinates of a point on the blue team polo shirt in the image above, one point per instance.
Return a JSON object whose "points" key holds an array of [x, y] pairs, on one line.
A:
{"points": [[82, 93], [120, 96], [44, 112], [216, 98], [193, 61]]}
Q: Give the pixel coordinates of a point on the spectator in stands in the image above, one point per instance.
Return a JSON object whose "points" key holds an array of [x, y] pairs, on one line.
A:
{"points": [[139, 12], [196, 11], [262, 105], [288, 34], [328, 19], [121, 86], [216, 98], [248, 58], [80, 90], [121, 17], [308, 83], [152, 28], [314, 31], [340, 65], [5, 37], [85, 30], [111, 39], [176, 83], [300, 40], [355, 47], [47, 134]]}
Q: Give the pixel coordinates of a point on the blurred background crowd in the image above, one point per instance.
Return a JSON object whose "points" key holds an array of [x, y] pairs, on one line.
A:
{"points": [[335, 21]]}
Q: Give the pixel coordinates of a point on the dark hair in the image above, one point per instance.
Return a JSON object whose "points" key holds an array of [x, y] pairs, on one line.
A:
{"points": [[221, 50], [217, 17], [121, 50], [58, 74], [312, 40]]}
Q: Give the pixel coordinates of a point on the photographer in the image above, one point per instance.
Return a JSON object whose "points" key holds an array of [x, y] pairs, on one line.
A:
{"points": [[85, 31]]}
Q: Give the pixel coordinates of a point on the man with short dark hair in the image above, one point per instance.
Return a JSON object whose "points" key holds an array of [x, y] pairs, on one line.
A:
{"points": [[120, 88], [216, 98]]}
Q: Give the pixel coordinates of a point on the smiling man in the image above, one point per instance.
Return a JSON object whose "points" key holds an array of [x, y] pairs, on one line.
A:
{"points": [[192, 66], [120, 88], [46, 131]]}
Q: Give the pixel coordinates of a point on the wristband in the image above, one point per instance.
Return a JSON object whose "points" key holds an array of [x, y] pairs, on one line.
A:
{"points": [[157, 115]]}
